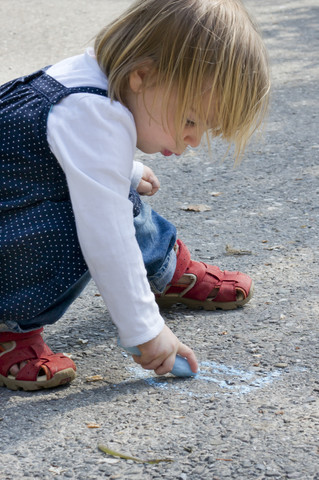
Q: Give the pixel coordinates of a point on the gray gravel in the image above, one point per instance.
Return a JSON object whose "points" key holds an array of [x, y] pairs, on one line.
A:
{"points": [[252, 412]]}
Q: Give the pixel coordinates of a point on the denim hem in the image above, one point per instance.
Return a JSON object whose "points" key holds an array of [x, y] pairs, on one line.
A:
{"points": [[159, 280], [11, 326]]}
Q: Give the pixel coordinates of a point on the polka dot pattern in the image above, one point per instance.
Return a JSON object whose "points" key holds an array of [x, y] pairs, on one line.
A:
{"points": [[40, 257], [136, 200]]}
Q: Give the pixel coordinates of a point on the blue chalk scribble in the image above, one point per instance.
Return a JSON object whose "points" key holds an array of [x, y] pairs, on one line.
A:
{"points": [[215, 378]]}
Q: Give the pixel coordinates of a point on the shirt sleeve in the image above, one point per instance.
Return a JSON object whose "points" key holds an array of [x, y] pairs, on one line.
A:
{"points": [[94, 141], [137, 173]]}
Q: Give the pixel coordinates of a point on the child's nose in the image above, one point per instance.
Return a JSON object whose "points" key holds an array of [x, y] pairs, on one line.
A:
{"points": [[193, 139]]}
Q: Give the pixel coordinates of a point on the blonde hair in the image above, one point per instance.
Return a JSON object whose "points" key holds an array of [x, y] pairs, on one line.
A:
{"points": [[195, 47]]}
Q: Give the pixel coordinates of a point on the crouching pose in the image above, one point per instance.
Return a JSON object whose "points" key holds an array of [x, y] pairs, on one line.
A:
{"points": [[158, 78]]}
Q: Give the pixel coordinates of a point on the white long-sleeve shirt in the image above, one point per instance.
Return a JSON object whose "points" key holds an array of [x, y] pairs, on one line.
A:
{"points": [[94, 141]]}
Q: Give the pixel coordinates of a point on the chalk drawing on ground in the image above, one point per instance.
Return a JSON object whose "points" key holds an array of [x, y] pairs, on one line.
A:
{"points": [[212, 379]]}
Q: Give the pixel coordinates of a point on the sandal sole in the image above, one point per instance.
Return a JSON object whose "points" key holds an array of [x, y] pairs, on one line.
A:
{"points": [[168, 301], [60, 378]]}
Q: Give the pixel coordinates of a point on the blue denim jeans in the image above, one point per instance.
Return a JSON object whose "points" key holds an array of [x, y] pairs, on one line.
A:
{"points": [[156, 238]]}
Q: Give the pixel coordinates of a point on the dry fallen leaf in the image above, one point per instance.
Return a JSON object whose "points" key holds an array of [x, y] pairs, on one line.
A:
{"points": [[94, 378], [108, 451], [233, 251], [196, 208], [275, 247], [112, 461], [56, 470], [216, 194], [69, 355], [188, 449], [93, 425]]}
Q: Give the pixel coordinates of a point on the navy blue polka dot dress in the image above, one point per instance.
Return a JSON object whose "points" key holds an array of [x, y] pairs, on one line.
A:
{"points": [[40, 256]]}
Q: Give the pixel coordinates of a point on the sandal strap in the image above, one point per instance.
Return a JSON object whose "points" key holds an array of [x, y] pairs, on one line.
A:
{"points": [[51, 365], [208, 278], [30, 347], [183, 260], [12, 336], [230, 283]]}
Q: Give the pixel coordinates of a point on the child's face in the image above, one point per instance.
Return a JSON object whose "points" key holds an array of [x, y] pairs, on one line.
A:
{"points": [[156, 130]]}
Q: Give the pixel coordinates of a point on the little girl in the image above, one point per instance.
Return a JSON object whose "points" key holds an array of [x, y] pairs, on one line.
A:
{"points": [[159, 77]]}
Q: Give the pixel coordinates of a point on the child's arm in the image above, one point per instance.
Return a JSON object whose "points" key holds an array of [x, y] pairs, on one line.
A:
{"points": [[159, 354], [149, 183]]}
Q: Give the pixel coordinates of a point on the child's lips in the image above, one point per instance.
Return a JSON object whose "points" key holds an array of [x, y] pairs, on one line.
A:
{"points": [[167, 153]]}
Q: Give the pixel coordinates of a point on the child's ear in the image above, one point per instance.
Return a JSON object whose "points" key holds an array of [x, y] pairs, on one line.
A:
{"points": [[137, 77], [136, 80]]}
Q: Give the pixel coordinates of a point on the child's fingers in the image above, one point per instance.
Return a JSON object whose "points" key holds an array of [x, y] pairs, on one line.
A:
{"points": [[154, 364], [162, 365], [146, 188], [188, 353], [148, 363], [166, 366], [159, 354], [154, 182]]}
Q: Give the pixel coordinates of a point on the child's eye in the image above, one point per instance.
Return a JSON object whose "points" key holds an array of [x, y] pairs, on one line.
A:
{"points": [[190, 123]]}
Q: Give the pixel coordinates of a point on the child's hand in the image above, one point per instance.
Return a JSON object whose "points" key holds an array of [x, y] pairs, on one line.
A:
{"points": [[159, 354], [149, 183]]}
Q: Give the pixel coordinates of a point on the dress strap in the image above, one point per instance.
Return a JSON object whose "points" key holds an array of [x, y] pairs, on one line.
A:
{"points": [[54, 91]]}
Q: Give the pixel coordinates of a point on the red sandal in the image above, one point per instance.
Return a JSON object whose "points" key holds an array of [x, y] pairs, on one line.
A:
{"points": [[234, 289], [44, 369]]}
